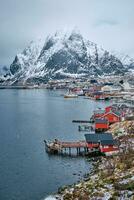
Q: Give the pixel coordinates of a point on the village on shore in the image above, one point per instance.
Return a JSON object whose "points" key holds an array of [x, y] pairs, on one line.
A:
{"points": [[99, 138], [112, 177], [109, 132], [107, 87]]}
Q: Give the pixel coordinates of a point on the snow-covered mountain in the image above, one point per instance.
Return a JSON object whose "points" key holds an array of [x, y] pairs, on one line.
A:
{"points": [[64, 55], [125, 59]]}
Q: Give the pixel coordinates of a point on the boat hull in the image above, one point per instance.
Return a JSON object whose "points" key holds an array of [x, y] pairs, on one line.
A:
{"points": [[71, 96]]}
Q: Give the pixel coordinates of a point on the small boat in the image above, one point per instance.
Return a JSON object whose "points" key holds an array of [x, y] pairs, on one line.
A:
{"points": [[70, 95], [85, 128], [78, 91]]}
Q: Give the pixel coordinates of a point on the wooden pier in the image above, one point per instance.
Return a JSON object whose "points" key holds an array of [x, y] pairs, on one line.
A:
{"points": [[68, 148], [82, 121]]}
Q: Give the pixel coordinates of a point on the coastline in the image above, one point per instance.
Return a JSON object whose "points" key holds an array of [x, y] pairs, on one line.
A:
{"points": [[112, 177]]}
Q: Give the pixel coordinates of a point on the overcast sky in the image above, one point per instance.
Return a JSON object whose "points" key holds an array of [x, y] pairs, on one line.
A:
{"points": [[109, 23]]}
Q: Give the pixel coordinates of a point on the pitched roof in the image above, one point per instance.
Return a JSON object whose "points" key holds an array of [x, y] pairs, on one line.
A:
{"points": [[112, 112], [98, 137], [116, 113], [107, 142], [101, 121]]}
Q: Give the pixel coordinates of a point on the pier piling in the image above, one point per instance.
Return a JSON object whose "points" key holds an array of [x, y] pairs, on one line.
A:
{"points": [[67, 147]]}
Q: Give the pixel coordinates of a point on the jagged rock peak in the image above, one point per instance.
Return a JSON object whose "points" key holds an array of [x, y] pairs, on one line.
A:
{"points": [[64, 54]]}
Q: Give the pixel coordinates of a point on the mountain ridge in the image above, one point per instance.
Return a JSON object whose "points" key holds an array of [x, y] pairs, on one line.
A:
{"points": [[65, 55]]}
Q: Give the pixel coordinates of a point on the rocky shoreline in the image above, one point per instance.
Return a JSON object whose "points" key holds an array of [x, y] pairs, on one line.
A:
{"points": [[112, 177]]}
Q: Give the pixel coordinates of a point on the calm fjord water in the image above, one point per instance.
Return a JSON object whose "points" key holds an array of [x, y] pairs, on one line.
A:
{"points": [[27, 117]]}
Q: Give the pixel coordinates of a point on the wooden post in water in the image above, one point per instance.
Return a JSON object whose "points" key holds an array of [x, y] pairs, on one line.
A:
{"points": [[77, 150], [61, 151], [69, 150], [85, 150]]}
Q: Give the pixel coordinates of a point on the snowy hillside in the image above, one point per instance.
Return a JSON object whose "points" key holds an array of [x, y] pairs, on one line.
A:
{"points": [[64, 55]]}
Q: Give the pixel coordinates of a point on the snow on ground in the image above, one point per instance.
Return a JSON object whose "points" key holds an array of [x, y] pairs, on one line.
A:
{"points": [[52, 197]]}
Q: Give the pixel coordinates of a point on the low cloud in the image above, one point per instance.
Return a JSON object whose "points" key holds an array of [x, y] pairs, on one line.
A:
{"points": [[108, 23]]}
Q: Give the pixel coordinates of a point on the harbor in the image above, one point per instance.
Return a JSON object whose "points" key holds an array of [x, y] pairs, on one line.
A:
{"points": [[67, 100], [98, 125], [110, 137], [22, 142], [98, 139], [54, 115], [77, 130]]}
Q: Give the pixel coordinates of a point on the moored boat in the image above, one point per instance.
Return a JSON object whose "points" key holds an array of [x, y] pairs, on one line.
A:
{"points": [[70, 95], [85, 128]]}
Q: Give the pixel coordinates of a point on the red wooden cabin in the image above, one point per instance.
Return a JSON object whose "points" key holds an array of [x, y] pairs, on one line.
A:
{"points": [[101, 124], [99, 97], [112, 117], [104, 142], [108, 147], [113, 108]]}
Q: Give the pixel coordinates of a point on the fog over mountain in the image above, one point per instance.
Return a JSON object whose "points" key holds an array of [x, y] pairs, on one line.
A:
{"points": [[107, 23]]}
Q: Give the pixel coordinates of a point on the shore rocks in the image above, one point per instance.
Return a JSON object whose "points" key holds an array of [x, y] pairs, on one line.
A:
{"points": [[112, 177]]}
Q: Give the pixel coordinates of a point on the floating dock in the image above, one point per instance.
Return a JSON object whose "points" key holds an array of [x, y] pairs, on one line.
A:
{"points": [[86, 128]]}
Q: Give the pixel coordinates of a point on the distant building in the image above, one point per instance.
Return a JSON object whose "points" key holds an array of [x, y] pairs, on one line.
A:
{"points": [[111, 89]]}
